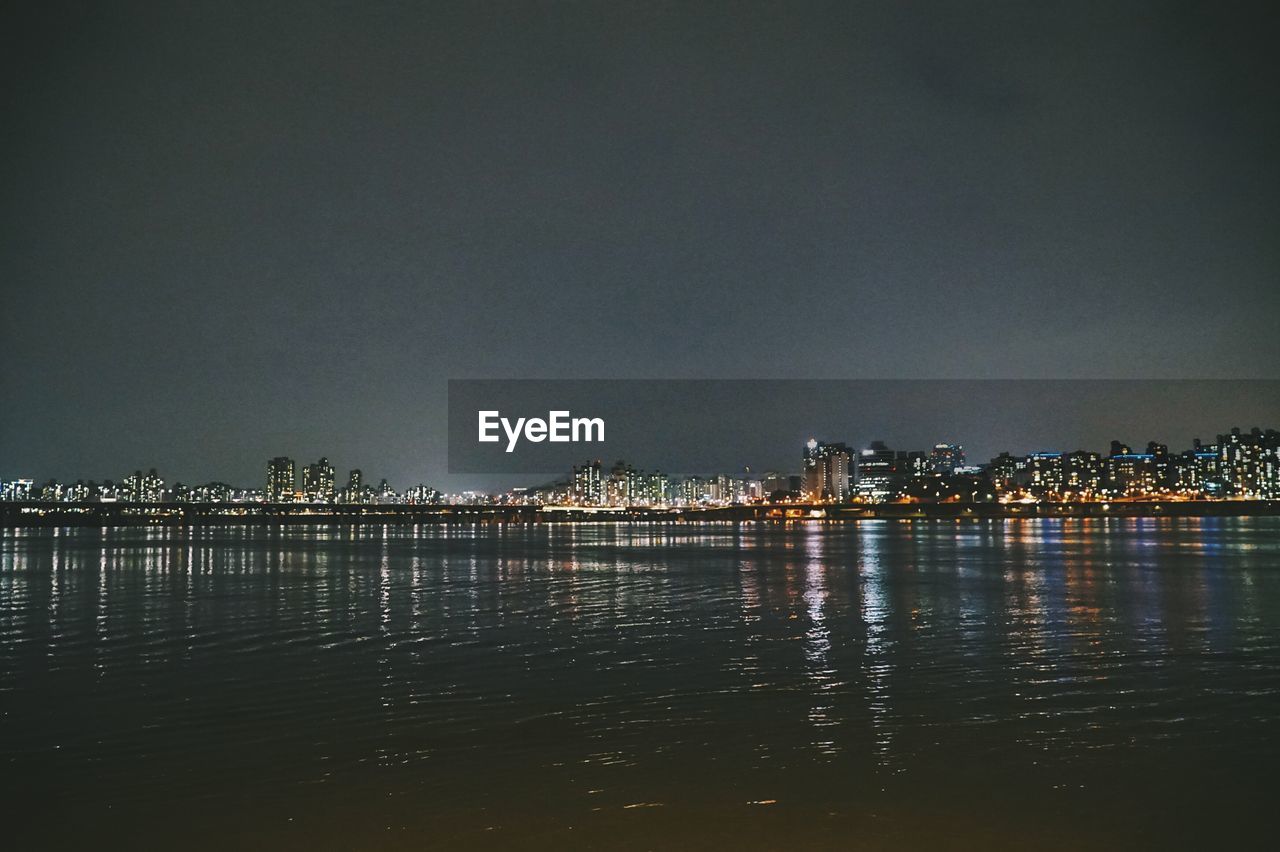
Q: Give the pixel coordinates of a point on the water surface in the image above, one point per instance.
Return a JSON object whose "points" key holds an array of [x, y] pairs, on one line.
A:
{"points": [[882, 685]]}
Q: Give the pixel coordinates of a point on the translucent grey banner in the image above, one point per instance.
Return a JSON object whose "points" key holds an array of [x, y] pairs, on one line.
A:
{"points": [[527, 426]]}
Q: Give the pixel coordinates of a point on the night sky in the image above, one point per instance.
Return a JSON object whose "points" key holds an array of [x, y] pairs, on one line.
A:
{"points": [[239, 230]]}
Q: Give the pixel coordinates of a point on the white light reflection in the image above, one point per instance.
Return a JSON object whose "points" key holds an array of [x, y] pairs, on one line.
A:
{"points": [[817, 646], [875, 617], [100, 615], [386, 755], [55, 592], [384, 588]]}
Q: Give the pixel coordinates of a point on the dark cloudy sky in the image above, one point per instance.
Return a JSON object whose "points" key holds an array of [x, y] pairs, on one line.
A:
{"points": [[238, 229]]}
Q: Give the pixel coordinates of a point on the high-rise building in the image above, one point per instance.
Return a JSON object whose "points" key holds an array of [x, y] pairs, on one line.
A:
{"points": [[1130, 474], [774, 482], [1162, 465], [318, 481], [826, 471], [1250, 463], [879, 472], [132, 485], [946, 458], [735, 489], [280, 480], [422, 494], [17, 489], [1044, 473], [144, 488], [1004, 471], [916, 463], [1082, 473], [587, 486], [695, 490], [152, 487], [622, 485], [387, 494], [354, 492], [77, 492], [211, 492], [1198, 471], [653, 489]]}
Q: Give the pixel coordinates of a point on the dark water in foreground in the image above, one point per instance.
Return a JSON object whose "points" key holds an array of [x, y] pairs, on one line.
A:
{"points": [[1016, 684]]}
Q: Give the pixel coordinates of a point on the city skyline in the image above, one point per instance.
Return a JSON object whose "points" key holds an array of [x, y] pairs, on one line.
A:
{"points": [[1237, 463], [657, 424], [752, 423]]}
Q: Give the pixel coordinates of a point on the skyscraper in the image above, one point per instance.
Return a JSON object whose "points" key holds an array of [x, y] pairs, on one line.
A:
{"points": [[140, 488], [881, 472], [280, 480], [620, 486], [1082, 473], [946, 458], [826, 471], [354, 492], [1250, 462], [17, 489], [1004, 471], [318, 481], [587, 487], [1129, 474], [1045, 473]]}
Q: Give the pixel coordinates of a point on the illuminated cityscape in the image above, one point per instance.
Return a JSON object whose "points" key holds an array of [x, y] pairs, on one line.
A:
{"points": [[640, 426], [1238, 465]]}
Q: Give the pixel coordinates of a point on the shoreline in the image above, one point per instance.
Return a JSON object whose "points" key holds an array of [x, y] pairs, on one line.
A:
{"points": [[35, 514]]}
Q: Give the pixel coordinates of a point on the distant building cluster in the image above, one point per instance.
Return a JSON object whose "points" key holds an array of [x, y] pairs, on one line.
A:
{"points": [[1238, 465], [624, 486], [830, 473], [317, 485], [1242, 465]]}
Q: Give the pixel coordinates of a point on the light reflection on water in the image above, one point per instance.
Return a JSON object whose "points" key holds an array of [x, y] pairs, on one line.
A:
{"points": [[881, 683]]}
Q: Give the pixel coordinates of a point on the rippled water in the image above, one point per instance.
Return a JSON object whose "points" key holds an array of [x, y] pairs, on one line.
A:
{"points": [[1016, 684]]}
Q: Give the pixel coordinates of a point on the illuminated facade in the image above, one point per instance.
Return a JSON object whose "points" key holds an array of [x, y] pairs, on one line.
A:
{"points": [[774, 482], [588, 489], [1082, 473], [17, 489], [318, 482], [1249, 463], [1004, 471], [879, 472], [696, 490], [143, 488], [1044, 473], [622, 487], [354, 492], [1131, 474], [946, 458], [826, 471], [655, 489], [423, 495], [280, 480], [1198, 471]]}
